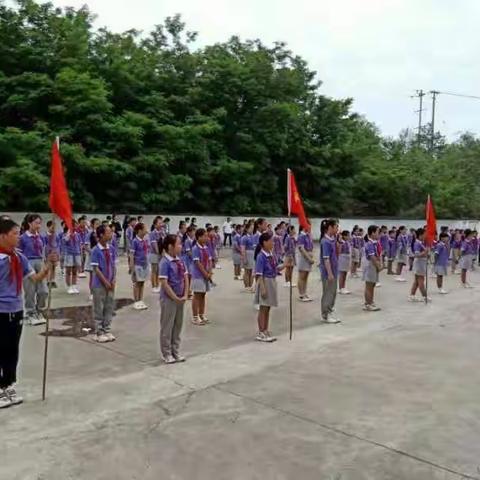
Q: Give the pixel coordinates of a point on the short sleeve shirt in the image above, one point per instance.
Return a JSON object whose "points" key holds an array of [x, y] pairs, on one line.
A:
{"points": [[328, 250], [10, 301], [174, 271]]}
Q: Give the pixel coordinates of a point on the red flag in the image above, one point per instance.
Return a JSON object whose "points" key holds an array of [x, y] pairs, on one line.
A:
{"points": [[294, 201], [431, 223], [59, 198]]}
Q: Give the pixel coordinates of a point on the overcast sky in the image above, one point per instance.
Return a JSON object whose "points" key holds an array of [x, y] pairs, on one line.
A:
{"points": [[376, 51]]}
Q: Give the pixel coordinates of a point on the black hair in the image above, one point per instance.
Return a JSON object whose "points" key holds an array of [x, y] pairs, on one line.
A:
{"points": [[200, 233], [443, 235], [290, 229], [49, 223], [181, 224], [264, 237], [155, 220], [300, 229], [371, 229], [7, 225], [32, 217], [399, 229], [139, 226], [256, 223], [328, 222], [163, 245], [166, 220], [345, 233], [418, 232], [391, 231], [94, 220], [209, 228], [246, 227], [190, 228], [467, 232], [99, 232], [131, 219]]}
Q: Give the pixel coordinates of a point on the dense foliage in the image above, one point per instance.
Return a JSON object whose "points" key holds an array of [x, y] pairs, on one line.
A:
{"points": [[150, 123]]}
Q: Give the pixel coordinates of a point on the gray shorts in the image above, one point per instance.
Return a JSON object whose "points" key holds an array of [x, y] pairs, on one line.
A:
{"points": [[289, 260], [303, 264], [237, 258], [420, 266], [344, 262], [440, 270], [355, 255], [200, 285], [466, 262], [72, 261], [153, 258], [249, 260], [139, 274], [370, 273], [402, 258], [271, 299]]}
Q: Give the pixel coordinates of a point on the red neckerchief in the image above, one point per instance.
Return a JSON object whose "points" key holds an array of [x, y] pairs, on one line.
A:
{"points": [[379, 249], [204, 257], [106, 253], [273, 262], [145, 246], [180, 271], [37, 244], [16, 274]]}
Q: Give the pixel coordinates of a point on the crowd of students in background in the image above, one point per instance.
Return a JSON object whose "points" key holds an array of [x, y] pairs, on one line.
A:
{"points": [[178, 264]]}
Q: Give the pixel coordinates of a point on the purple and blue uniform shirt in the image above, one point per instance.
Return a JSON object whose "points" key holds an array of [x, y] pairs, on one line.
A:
{"points": [[140, 249], [290, 245], [174, 271], [104, 259], [247, 242], [202, 255], [266, 265], [441, 255], [31, 245], [11, 301], [328, 250], [305, 240]]}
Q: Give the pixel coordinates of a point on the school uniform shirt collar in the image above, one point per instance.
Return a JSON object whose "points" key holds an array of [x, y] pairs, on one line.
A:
{"points": [[140, 239], [204, 246], [101, 247], [267, 254], [328, 237], [170, 258], [372, 240], [30, 234]]}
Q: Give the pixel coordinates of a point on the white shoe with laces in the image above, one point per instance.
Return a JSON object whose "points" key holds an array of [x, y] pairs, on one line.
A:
{"points": [[344, 291], [5, 401], [400, 279], [11, 393], [169, 359], [332, 319], [441, 291]]}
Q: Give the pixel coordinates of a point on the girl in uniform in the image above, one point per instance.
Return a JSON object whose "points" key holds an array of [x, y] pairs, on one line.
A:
{"points": [[467, 254], [329, 268], [153, 257], [52, 246], [344, 262], [419, 266], [373, 266], [139, 264], [32, 246], [290, 246], [402, 252], [237, 252], [355, 252], [173, 295], [201, 277], [248, 254], [440, 265], [278, 243], [188, 244], [266, 295], [92, 242], [305, 262], [391, 251], [72, 259]]}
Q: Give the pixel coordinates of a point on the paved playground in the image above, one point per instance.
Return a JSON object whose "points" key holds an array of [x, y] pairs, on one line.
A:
{"points": [[387, 395]]}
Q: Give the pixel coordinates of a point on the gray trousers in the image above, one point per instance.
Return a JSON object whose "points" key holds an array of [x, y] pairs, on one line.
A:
{"points": [[35, 292], [329, 295], [103, 306], [171, 321]]}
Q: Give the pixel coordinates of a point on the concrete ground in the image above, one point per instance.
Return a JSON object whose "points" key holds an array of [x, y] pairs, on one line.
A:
{"points": [[387, 395]]}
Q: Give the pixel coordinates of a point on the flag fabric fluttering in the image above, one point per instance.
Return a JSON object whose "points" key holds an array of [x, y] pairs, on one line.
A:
{"points": [[431, 223], [59, 198], [294, 201]]}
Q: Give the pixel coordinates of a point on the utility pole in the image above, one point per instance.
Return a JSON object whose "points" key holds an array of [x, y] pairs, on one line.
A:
{"points": [[420, 94], [432, 131]]}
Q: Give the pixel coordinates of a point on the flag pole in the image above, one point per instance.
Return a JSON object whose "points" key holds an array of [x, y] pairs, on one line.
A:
{"points": [[291, 279], [48, 314]]}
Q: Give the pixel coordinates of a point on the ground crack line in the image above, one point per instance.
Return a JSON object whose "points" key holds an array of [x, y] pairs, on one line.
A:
{"points": [[347, 434]]}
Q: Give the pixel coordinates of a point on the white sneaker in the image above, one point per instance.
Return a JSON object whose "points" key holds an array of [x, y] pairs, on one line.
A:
{"points": [[156, 290], [286, 285], [137, 306], [179, 358], [264, 337], [143, 305], [378, 285], [371, 308], [75, 290], [256, 307], [101, 338], [413, 299], [82, 275], [354, 275], [441, 291], [270, 337], [169, 359], [344, 291], [400, 279], [111, 337], [5, 401], [332, 319], [11, 393], [305, 298], [70, 290], [90, 297], [466, 285], [37, 319], [218, 267]]}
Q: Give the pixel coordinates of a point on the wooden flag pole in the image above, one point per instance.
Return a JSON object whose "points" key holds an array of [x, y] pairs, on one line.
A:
{"points": [[290, 297], [47, 327]]}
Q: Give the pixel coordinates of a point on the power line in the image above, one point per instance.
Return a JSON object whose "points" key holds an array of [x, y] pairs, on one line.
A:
{"points": [[460, 95]]}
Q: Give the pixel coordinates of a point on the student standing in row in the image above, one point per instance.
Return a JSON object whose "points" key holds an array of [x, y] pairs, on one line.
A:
{"points": [[305, 262], [248, 253], [14, 269], [467, 255], [372, 268], [266, 296], [102, 261], [155, 237], [419, 268], [72, 260], [139, 264], [329, 268], [173, 295], [201, 277], [290, 245], [344, 262], [402, 252], [237, 253], [52, 247], [441, 261], [32, 246]]}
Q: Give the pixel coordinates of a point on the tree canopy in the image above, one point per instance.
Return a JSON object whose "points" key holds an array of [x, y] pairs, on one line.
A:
{"points": [[151, 123]]}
